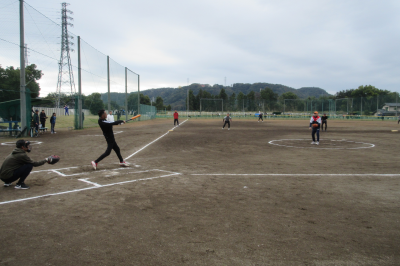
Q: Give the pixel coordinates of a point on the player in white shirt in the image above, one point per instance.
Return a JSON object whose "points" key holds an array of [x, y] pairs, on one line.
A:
{"points": [[110, 117]]}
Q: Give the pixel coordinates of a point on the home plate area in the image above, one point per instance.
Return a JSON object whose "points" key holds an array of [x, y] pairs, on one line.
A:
{"points": [[75, 179]]}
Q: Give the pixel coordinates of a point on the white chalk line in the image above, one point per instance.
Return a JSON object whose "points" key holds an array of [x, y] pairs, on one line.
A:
{"points": [[296, 174], [89, 182], [151, 142], [57, 171], [95, 185], [321, 148], [67, 168], [13, 143]]}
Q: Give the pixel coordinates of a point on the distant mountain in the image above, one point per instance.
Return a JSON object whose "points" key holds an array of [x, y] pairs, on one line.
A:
{"points": [[176, 97]]}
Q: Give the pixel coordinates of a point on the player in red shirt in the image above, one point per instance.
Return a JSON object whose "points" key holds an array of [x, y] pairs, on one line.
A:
{"points": [[176, 117]]}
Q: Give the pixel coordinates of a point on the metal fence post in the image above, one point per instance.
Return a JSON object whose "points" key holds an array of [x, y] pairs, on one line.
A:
{"points": [[139, 95], [80, 120], [126, 93], [108, 83]]}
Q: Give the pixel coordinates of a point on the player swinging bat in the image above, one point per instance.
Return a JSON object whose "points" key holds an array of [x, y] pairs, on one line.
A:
{"points": [[107, 128]]}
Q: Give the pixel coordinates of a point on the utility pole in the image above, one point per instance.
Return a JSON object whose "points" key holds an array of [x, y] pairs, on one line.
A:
{"points": [[24, 118], [65, 65]]}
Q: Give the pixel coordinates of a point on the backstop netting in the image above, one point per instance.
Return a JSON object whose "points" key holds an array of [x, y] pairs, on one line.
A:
{"points": [[53, 75], [147, 112]]}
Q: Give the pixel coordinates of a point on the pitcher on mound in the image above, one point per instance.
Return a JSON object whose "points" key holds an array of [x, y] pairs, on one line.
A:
{"points": [[315, 125]]}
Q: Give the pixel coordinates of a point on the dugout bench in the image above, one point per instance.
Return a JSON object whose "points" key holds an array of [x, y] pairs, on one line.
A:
{"points": [[10, 128]]}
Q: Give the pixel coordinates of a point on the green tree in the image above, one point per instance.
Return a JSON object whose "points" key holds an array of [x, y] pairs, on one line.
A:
{"points": [[10, 82], [169, 107], [240, 99], [232, 102], [368, 91], [144, 99], [159, 103], [270, 98], [114, 105], [192, 101], [94, 103], [289, 95], [251, 104]]}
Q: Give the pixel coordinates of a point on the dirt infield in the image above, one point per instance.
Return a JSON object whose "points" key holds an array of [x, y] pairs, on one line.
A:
{"points": [[258, 194]]}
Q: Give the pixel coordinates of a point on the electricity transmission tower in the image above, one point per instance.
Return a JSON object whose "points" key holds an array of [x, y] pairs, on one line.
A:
{"points": [[65, 83]]}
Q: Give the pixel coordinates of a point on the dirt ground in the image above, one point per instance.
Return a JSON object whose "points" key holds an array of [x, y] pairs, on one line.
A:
{"points": [[201, 195]]}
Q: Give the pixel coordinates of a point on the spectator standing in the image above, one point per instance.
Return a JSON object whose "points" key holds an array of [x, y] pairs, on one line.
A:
{"points": [[110, 117], [66, 110], [43, 118], [53, 123], [36, 122]]}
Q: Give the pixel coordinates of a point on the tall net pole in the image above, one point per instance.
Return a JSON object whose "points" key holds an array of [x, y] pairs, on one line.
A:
{"points": [[65, 73], [80, 123], [22, 67]]}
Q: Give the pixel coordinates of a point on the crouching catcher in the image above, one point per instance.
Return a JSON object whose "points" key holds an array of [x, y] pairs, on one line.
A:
{"points": [[18, 165]]}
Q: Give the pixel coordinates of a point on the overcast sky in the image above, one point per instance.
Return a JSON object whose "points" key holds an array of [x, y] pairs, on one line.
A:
{"points": [[334, 45]]}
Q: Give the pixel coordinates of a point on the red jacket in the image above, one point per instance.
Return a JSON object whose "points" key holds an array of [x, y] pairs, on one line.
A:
{"points": [[176, 115]]}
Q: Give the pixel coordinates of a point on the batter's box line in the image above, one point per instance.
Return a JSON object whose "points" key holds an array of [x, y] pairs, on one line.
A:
{"points": [[88, 188], [138, 172], [296, 174]]}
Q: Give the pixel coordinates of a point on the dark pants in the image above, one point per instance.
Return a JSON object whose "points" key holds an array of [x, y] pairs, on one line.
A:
{"points": [[52, 127], [20, 173], [111, 145], [43, 122], [176, 121], [37, 128], [227, 122], [260, 117], [326, 125], [315, 130]]}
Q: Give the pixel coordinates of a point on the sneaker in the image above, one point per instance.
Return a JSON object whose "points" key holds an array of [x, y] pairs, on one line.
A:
{"points": [[7, 184], [222, 128], [21, 186], [317, 143], [94, 165], [313, 142], [229, 129], [55, 132], [124, 164]]}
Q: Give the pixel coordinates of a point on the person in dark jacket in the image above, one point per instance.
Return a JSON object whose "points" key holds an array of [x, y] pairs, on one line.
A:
{"points": [[36, 122], [53, 119], [107, 128], [43, 118], [17, 165]]}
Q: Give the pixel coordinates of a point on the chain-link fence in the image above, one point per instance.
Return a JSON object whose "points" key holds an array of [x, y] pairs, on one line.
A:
{"points": [[371, 107]]}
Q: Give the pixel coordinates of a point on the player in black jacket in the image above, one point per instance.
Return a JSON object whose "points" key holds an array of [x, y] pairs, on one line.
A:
{"points": [[324, 119], [107, 128]]}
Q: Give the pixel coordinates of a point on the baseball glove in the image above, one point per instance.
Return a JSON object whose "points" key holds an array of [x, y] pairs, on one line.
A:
{"points": [[315, 125], [53, 159]]}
